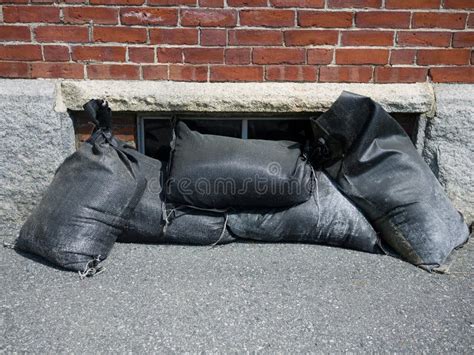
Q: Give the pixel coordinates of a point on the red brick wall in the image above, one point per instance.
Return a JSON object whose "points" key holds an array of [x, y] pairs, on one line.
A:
{"points": [[124, 127], [239, 40]]}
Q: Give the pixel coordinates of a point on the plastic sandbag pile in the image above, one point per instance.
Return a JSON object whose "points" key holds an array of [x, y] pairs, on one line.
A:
{"points": [[360, 185]]}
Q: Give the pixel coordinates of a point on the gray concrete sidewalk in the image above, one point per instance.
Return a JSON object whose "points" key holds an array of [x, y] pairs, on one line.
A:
{"points": [[238, 297]]}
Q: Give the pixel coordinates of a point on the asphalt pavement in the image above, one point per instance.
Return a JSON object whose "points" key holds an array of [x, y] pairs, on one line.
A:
{"points": [[252, 297]]}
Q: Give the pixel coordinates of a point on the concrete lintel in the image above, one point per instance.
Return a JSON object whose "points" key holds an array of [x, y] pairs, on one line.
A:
{"points": [[149, 96]]}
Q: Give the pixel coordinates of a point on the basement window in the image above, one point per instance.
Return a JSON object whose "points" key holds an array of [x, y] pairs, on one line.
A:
{"points": [[154, 132], [151, 133]]}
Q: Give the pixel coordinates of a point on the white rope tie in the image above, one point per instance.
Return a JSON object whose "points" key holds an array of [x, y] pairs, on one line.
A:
{"points": [[92, 268], [222, 233]]}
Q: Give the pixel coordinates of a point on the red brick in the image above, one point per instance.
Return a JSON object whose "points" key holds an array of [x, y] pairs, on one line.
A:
{"points": [[458, 4], [383, 19], [367, 38], [247, 3], [213, 37], [124, 133], [208, 18], [148, 16], [439, 20], [170, 55], [237, 56], [174, 36], [236, 73], [57, 70], [400, 75], [56, 53], [203, 55], [43, 1], [278, 56], [84, 14], [211, 3], [155, 72], [341, 4], [291, 73], [98, 53], [267, 18], [297, 3], [255, 37], [310, 37], [412, 4], [188, 73], [347, 74], [113, 71], [119, 34], [15, 33], [463, 39], [44, 14], [20, 52], [117, 2], [361, 56], [171, 2], [320, 56], [443, 56], [324, 19], [423, 38], [75, 1], [402, 56], [14, 70], [452, 74], [61, 34], [141, 54], [470, 21]]}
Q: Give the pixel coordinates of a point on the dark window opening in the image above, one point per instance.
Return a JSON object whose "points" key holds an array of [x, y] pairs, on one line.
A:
{"points": [[279, 130]]}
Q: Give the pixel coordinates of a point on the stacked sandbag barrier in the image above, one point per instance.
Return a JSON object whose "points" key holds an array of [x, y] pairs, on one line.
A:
{"points": [[262, 190], [362, 185], [208, 176]]}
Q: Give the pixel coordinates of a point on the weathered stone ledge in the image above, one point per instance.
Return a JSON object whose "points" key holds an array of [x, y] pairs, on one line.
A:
{"points": [[155, 96]]}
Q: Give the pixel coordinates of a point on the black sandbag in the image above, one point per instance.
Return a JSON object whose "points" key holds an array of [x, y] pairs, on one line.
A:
{"points": [[217, 172], [145, 224], [326, 218], [86, 206], [191, 226], [376, 165]]}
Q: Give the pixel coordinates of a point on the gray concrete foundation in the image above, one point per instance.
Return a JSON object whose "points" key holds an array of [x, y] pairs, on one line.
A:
{"points": [[35, 140], [449, 144]]}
